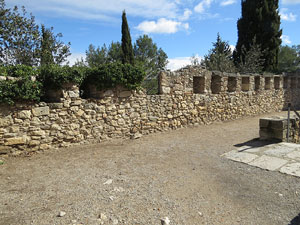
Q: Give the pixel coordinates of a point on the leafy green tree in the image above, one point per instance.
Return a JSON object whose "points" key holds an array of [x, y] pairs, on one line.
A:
{"points": [[19, 37], [289, 59], [96, 56], [151, 59], [53, 50], [260, 19], [21, 42], [252, 60], [127, 50], [220, 57], [114, 53]]}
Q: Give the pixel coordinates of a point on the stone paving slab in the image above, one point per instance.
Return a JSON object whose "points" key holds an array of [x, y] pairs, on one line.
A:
{"points": [[241, 156], [282, 157], [292, 169], [268, 162]]}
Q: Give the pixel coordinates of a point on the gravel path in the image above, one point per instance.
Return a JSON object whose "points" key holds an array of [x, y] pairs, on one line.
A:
{"points": [[177, 174]]}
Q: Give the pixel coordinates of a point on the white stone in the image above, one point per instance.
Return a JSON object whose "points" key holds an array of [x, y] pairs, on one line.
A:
{"points": [[24, 114], [165, 221], [291, 169], [294, 155], [61, 214], [268, 162], [108, 182], [40, 111], [240, 156]]}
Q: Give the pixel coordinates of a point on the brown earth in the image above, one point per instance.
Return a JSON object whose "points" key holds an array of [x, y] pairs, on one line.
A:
{"points": [[178, 174]]}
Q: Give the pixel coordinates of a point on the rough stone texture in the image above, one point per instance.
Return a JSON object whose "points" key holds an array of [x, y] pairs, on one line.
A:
{"points": [[276, 128], [116, 114], [40, 111]]}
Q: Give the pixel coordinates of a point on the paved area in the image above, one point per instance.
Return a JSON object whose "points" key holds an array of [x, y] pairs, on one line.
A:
{"points": [[282, 157]]}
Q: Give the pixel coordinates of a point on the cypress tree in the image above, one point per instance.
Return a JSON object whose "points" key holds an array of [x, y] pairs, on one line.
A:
{"points": [[260, 21], [46, 47], [127, 50]]}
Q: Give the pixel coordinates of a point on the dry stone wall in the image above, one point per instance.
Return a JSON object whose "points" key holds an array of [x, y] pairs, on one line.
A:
{"points": [[190, 96]]}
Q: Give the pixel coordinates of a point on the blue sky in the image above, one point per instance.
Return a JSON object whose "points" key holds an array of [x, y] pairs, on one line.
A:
{"points": [[182, 28]]}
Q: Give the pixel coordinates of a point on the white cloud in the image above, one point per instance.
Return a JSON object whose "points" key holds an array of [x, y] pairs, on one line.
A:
{"points": [[290, 1], [286, 39], [179, 62], [227, 2], [285, 15], [203, 5], [75, 57], [162, 26], [101, 9], [186, 15], [232, 48]]}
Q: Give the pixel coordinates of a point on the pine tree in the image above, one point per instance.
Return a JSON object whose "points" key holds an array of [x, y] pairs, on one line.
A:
{"points": [[220, 57], [127, 50], [261, 21]]}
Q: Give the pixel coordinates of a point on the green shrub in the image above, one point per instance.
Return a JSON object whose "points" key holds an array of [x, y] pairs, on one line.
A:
{"points": [[54, 76], [19, 91], [113, 74], [21, 71]]}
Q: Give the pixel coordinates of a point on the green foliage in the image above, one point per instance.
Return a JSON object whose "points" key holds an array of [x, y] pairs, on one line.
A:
{"points": [[19, 37], [54, 76], [220, 57], [111, 75], [260, 19], [97, 56], [52, 50], [22, 43], [289, 59], [152, 59], [19, 91], [127, 50], [21, 71], [252, 60]]}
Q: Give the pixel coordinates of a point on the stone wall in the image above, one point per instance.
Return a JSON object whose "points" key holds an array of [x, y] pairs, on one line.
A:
{"points": [[190, 96]]}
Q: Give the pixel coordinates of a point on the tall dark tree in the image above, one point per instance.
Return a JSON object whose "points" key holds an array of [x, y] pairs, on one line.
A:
{"points": [[260, 21], [127, 50]]}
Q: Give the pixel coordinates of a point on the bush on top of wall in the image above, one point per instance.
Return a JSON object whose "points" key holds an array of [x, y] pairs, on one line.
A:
{"points": [[54, 76], [20, 71], [12, 91], [111, 75]]}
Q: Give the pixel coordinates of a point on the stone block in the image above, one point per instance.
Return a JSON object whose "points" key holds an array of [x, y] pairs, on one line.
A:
{"points": [[4, 150], [24, 114], [264, 122], [38, 133], [166, 90], [56, 105], [6, 121], [15, 141], [73, 94], [34, 143], [124, 94], [41, 111]]}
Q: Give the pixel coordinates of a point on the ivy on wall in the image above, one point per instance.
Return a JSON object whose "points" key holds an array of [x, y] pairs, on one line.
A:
{"points": [[24, 88]]}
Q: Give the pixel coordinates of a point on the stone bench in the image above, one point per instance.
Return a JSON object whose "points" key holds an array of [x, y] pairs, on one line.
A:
{"points": [[276, 128]]}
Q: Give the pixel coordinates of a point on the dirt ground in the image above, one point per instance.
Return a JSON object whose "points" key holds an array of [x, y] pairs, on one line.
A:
{"points": [[178, 174]]}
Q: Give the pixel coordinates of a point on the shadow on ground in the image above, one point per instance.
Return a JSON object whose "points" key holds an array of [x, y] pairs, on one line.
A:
{"points": [[295, 221], [256, 143]]}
